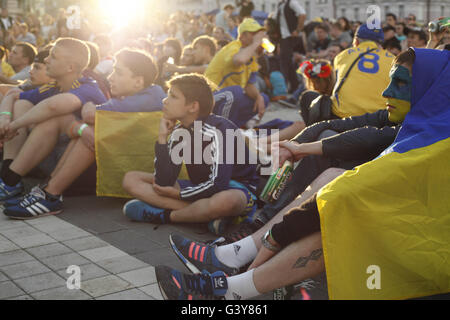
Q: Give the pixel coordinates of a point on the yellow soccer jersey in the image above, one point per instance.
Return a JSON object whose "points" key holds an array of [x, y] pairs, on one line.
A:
{"points": [[7, 70], [361, 92], [224, 73]]}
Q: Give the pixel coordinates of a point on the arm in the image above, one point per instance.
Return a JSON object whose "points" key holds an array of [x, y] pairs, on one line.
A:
{"points": [[245, 54], [6, 80], [88, 113], [253, 93], [377, 119], [55, 106]]}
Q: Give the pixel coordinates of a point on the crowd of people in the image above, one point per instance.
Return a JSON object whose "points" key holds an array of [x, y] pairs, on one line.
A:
{"points": [[210, 74]]}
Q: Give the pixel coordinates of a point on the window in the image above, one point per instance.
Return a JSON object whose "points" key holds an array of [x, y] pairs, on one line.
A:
{"points": [[357, 14], [401, 11], [343, 12]]}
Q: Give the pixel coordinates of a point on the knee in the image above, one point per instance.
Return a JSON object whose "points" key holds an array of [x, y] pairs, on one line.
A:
{"points": [[226, 204], [130, 181]]}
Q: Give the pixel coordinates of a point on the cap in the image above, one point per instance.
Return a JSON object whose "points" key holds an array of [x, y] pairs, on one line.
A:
{"points": [[250, 25], [374, 34]]}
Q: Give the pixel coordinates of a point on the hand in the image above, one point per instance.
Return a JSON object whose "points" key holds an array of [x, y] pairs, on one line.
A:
{"points": [[88, 138], [10, 132], [5, 120], [259, 106], [165, 129], [264, 255], [436, 38], [258, 38], [169, 192]]}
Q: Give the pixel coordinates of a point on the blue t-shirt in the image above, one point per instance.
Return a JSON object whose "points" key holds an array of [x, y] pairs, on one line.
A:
{"points": [[86, 89], [147, 100]]}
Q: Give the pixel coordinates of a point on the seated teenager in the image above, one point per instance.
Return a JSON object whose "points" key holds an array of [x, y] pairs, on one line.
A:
{"points": [[132, 86], [217, 188], [50, 111]]}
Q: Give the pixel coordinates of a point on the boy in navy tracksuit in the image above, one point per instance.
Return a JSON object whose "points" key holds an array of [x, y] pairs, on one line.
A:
{"points": [[222, 180]]}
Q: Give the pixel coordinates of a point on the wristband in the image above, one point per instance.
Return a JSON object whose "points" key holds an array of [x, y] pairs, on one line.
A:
{"points": [[83, 126], [6, 113]]}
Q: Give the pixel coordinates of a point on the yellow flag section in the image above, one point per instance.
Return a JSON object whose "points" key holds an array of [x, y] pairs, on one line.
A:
{"points": [[386, 227], [124, 142]]}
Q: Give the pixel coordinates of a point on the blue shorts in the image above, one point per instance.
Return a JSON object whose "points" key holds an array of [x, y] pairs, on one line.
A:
{"points": [[251, 207]]}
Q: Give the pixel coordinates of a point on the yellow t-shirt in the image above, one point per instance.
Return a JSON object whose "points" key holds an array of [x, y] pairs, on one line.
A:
{"points": [[7, 70], [361, 92], [224, 73]]}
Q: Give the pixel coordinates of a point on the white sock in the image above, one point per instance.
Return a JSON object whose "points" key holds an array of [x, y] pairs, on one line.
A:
{"points": [[237, 254], [241, 287]]}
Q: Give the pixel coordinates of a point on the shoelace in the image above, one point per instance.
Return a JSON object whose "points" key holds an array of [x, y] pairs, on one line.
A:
{"points": [[244, 231], [34, 196], [199, 284]]}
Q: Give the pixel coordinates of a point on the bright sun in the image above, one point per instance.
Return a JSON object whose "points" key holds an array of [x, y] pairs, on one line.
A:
{"points": [[120, 13]]}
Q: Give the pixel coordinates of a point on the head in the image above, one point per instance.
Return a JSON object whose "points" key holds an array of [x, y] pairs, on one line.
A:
{"points": [[345, 24], [204, 49], [247, 30], [364, 33], [391, 19], [411, 19], [336, 30], [94, 52], [389, 32], [219, 33], [190, 97], [393, 46], [417, 38], [187, 57], [68, 56], [398, 93], [321, 32], [38, 72], [22, 55], [229, 8], [318, 75], [23, 28], [134, 70], [173, 48], [333, 51], [400, 29]]}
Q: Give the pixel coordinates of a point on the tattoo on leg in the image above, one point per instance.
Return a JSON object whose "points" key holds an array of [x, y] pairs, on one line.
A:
{"points": [[303, 261]]}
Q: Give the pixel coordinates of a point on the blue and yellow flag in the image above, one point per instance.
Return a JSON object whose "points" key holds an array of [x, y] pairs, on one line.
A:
{"points": [[386, 224], [124, 142]]}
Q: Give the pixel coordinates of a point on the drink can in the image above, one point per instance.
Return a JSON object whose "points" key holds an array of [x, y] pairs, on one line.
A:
{"points": [[279, 179], [268, 46]]}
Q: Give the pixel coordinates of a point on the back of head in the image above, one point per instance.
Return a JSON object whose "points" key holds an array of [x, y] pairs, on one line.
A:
{"points": [[206, 41], [140, 63], [41, 56], [77, 52], [198, 88], [365, 33], [28, 50], [94, 52]]}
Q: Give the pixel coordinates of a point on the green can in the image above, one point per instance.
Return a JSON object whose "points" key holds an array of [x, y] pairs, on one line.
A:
{"points": [[272, 191]]}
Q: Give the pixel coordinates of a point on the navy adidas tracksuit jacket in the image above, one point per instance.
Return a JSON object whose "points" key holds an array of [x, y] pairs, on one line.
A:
{"points": [[226, 159]]}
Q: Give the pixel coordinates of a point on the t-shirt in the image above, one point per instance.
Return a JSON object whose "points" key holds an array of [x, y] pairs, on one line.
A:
{"points": [[85, 89], [361, 92], [297, 8], [7, 70], [148, 100], [224, 73]]}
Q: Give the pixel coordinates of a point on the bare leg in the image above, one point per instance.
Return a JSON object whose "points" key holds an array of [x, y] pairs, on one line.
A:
{"points": [[40, 144], [326, 177], [64, 157], [75, 164], [12, 147], [299, 261]]}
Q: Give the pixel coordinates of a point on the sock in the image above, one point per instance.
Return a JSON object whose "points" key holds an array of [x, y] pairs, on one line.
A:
{"points": [[51, 197], [10, 178], [241, 287], [237, 254], [5, 165]]}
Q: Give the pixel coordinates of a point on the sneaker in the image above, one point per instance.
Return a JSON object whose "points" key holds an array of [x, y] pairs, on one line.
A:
{"points": [[198, 257], [140, 211], [15, 201], [7, 192], [175, 285], [34, 205], [219, 226], [245, 229]]}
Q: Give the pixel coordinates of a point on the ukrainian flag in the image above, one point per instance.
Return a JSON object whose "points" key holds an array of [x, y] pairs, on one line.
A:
{"points": [[386, 224], [124, 142]]}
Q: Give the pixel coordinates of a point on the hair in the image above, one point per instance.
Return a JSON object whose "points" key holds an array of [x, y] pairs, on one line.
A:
{"points": [[140, 63], [195, 87], [407, 57], [228, 6], [175, 44], [321, 85], [391, 15], [28, 51], [388, 28], [94, 55], [24, 25], [347, 26], [206, 41], [223, 43], [420, 33], [322, 26], [393, 43], [78, 52], [337, 25], [41, 56]]}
